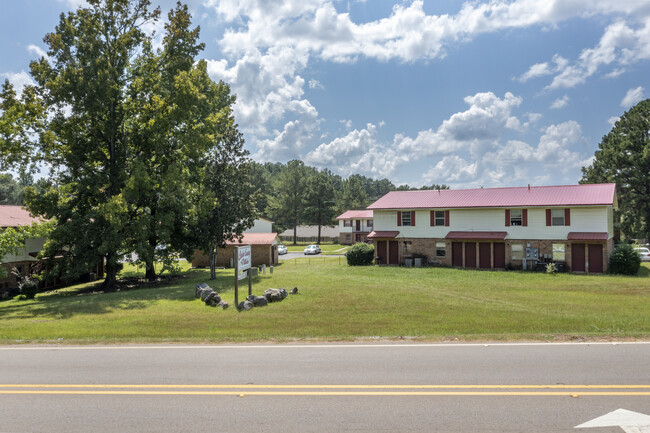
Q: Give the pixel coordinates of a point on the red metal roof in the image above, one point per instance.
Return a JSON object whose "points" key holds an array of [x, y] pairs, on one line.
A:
{"points": [[387, 234], [567, 195], [355, 214], [255, 239], [14, 216], [476, 235], [587, 236]]}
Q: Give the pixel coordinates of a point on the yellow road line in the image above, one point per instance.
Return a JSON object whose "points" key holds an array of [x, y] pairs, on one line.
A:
{"points": [[304, 386], [333, 393]]}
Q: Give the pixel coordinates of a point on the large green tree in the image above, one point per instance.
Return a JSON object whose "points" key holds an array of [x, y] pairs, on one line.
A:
{"points": [[319, 200], [353, 194], [623, 157], [287, 206]]}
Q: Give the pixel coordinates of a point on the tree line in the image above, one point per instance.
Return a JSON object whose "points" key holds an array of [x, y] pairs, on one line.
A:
{"points": [[293, 194]]}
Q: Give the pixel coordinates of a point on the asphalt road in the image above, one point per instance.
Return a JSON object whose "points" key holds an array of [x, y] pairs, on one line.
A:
{"points": [[321, 388]]}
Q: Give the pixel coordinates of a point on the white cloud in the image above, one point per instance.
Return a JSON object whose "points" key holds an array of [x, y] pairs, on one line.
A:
{"points": [[315, 84], [560, 102], [612, 120], [542, 69], [452, 168], [632, 97], [38, 51], [19, 80]]}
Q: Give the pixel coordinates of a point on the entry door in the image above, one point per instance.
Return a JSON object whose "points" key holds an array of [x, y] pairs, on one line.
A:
{"points": [[499, 250], [358, 238], [484, 260], [595, 258], [470, 254], [393, 253], [381, 252], [358, 225], [457, 254], [578, 257]]}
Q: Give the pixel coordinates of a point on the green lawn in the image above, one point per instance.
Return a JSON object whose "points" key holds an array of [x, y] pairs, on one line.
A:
{"points": [[337, 302]]}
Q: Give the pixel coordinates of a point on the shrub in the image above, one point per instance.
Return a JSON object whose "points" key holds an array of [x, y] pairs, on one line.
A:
{"points": [[29, 288], [624, 260], [360, 255], [551, 268]]}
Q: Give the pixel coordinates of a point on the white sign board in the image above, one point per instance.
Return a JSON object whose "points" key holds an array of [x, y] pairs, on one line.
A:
{"points": [[244, 258]]}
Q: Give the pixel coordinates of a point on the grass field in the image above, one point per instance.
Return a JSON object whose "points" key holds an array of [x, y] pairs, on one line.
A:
{"points": [[337, 302]]}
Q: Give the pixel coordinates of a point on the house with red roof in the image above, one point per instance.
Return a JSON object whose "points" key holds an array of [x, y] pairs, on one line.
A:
{"points": [[263, 242], [354, 226], [494, 228], [25, 259]]}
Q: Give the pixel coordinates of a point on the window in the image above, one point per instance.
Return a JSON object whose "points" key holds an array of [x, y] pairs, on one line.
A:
{"points": [[557, 217], [348, 237], [369, 223], [558, 252], [441, 250], [440, 217], [517, 251], [347, 223], [516, 217], [406, 218]]}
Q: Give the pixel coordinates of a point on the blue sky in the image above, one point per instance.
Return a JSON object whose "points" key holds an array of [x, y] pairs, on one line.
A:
{"points": [[498, 93]]}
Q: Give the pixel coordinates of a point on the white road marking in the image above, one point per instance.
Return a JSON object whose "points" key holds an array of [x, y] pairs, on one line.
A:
{"points": [[630, 422]]}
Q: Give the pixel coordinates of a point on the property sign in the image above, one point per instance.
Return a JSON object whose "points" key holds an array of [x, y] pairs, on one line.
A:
{"points": [[244, 258]]}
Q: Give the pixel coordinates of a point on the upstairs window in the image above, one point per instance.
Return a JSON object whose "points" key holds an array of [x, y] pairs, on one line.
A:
{"points": [[516, 217], [406, 218], [347, 223], [440, 217], [557, 217], [369, 223]]}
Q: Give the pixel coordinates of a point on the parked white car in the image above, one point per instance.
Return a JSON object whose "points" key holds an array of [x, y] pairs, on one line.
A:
{"points": [[312, 249], [282, 249], [644, 253]]}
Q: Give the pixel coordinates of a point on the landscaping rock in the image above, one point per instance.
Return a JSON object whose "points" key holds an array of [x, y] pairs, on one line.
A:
{"points": [[205, 293], [213, 299], [275, 295], [223, 304], [258, 301], [294, 291], [200, 288], [246, 305]]}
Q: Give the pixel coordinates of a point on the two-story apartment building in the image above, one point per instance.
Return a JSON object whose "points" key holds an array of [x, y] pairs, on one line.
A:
{"points": [[498, 227], [354, 226]]}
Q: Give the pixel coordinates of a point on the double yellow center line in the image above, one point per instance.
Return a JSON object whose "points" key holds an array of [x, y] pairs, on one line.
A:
{"points": [[242, 390]]}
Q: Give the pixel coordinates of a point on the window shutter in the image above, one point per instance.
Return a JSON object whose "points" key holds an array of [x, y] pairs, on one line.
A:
{"points": [[432, 218], [399, 218], [567, 217], [524, 217], [507, 217], [548, 217], [413, 218], [447, 218]]}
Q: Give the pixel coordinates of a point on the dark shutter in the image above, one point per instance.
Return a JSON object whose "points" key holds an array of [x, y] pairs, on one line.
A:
{"points": [[399, 218], [413, 218], [567, 217], [548, 217], [447, 218], [524, 217], [432, 218], [507, 217]]}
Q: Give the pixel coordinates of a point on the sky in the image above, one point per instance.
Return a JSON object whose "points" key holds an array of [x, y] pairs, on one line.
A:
{"points": [[469, 94]]}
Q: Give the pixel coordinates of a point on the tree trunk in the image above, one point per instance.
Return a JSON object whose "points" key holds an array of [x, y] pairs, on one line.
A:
{"points": [[150, 273], [213, 262], [110, 282], [319, 233], [295, 231]]}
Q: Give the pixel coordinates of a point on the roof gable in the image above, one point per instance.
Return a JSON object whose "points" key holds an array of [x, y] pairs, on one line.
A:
{"points": [[355, 214], [15, 216], [566, 195]]}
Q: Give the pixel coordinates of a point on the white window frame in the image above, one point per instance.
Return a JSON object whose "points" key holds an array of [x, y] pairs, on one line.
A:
{"points": [[516, 217], [347, 223], [517, 251], [439, 217], [559, 252], [557, 217], [406, 219], [441, 247]]}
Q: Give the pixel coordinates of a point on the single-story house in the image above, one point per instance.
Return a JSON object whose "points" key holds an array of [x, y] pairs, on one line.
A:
{"points": [[263, 242], [354, 226], [498, 227]]}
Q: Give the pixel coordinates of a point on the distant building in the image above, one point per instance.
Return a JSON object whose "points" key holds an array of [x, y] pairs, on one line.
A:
{"points": [[309, 234], [355, 226], [263, 244]]}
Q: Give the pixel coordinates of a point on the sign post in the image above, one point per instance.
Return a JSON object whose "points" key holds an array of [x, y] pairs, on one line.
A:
{"points": [[243, 259]]}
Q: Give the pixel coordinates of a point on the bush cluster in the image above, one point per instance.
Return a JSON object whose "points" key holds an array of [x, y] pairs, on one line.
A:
{"points": [[360, 254], [624, 260], [28, 287]]}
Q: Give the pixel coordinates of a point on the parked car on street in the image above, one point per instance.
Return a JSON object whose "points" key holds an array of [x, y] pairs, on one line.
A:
{"points": [[644, 253], [312, 249], [282, 249]]}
